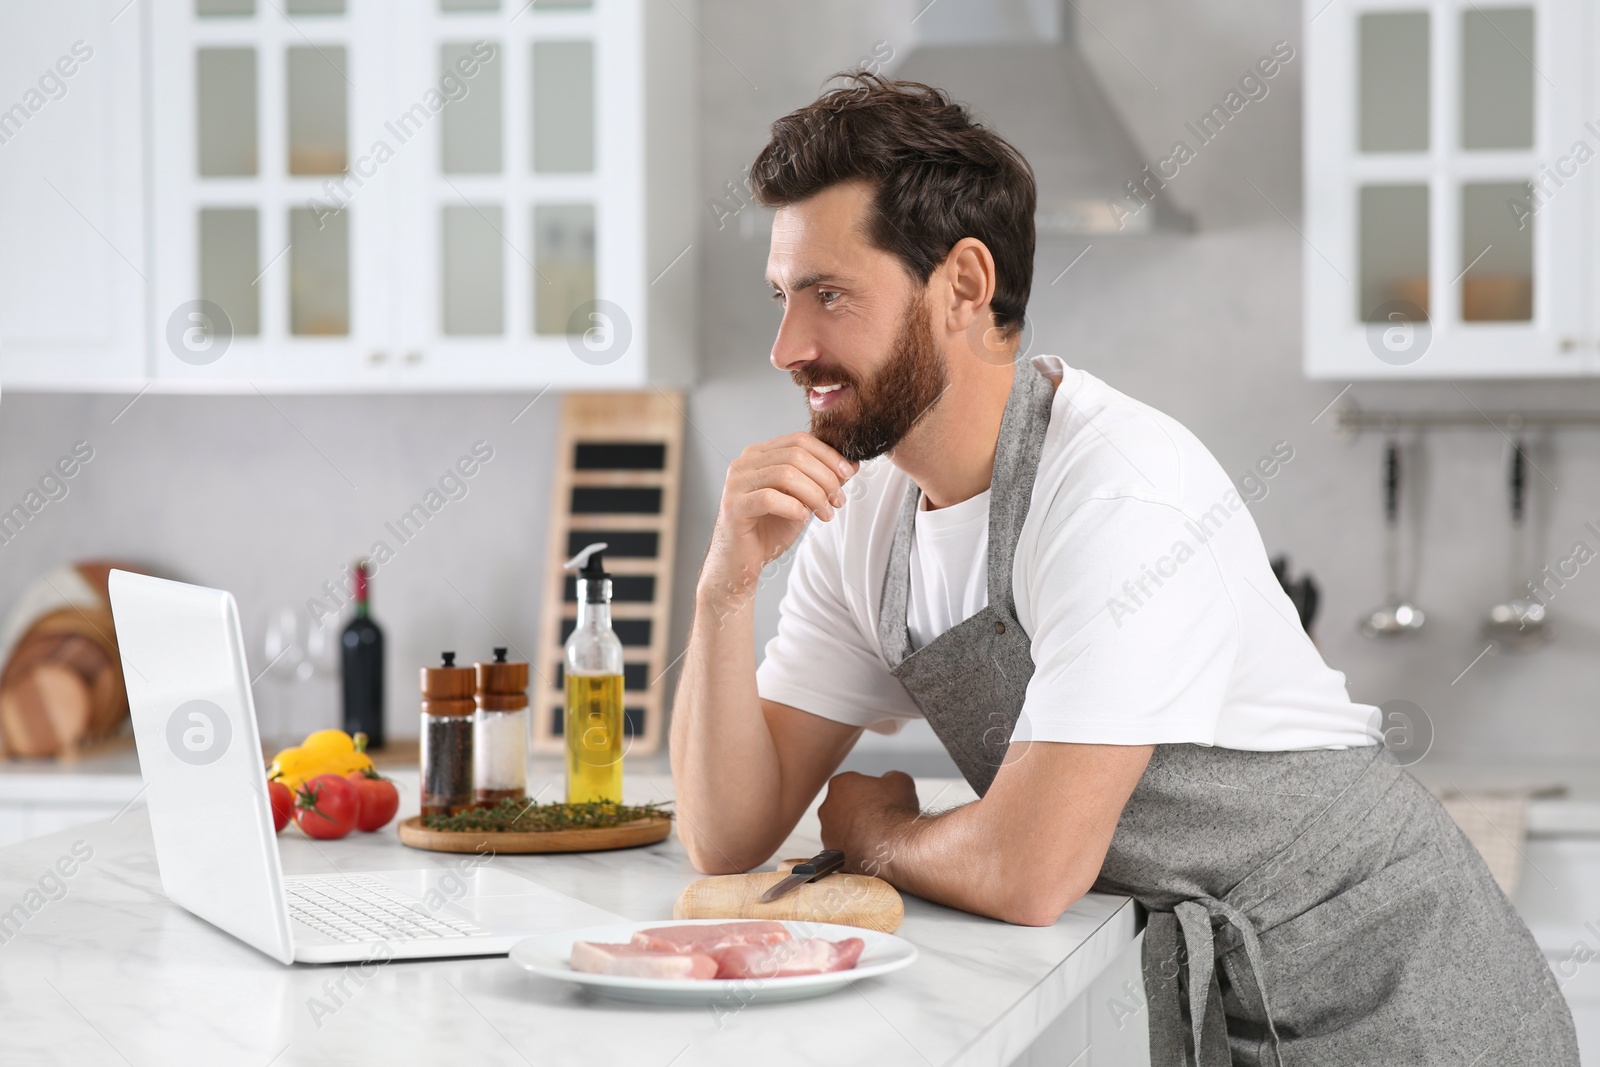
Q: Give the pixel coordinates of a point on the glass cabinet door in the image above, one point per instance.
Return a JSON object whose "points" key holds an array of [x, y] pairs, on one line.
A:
{"points": [[441, 193], [1431, 132], [510, 261], [269, 203]]}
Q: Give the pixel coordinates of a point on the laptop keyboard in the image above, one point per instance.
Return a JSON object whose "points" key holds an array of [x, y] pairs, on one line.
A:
{"points": [[352, 907]]}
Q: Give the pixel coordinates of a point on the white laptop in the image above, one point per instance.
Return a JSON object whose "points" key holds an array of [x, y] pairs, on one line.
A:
{"points": [[200, 753]]}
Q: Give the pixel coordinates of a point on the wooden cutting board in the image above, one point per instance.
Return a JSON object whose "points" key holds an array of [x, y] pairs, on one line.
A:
{"points": [[61, 688], [849, 899], [588, 839]]}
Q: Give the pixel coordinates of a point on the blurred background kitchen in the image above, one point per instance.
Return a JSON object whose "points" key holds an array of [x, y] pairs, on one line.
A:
{"points": [[542, 164]]}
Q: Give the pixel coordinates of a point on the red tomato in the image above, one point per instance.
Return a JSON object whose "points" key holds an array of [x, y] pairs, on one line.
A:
{"points": [[379, 799], [326, 807], [282, 804]]}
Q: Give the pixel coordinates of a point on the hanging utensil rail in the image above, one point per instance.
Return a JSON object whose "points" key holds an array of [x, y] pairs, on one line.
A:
{"points": [[1353, 419]]}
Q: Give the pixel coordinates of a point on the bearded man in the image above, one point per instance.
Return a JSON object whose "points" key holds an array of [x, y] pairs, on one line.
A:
{"points": [[979, 519]]}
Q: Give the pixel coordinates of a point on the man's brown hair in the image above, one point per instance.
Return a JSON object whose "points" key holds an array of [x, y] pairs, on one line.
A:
{"points": [[937, 177]]}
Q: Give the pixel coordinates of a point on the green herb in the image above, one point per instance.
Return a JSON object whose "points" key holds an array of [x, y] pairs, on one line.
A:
{"points": [[524, 815]]}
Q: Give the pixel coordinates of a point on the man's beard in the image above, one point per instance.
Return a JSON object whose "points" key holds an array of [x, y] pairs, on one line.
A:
{"points": [[881, 411]]}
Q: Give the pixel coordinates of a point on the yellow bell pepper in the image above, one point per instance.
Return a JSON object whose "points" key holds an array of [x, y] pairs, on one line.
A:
{"points": [[323, 752]]}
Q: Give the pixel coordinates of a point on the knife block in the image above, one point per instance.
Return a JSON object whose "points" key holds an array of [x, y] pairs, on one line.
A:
{"points": [[846, 899]]}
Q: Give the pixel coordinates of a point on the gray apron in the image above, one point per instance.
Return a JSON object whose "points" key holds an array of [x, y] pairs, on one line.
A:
{"points": [[1312, 907]]}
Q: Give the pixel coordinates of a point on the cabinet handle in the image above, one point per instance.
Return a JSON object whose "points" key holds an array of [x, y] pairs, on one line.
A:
{"points": [[413, 357], [377, 356], [1569, 344]]}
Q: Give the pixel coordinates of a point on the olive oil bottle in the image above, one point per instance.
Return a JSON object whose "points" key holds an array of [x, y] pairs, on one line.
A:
{"points": [[593, 673]]}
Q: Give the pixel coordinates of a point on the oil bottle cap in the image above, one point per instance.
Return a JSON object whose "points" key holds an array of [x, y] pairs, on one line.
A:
{"points": [[593, 583], [589, 564]]}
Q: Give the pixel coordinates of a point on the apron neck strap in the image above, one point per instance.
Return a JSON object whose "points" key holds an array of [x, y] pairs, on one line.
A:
{"points": [[1016, 461]]}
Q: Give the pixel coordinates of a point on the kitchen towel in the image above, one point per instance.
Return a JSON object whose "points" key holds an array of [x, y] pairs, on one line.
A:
{"points": [[1496, 822]]}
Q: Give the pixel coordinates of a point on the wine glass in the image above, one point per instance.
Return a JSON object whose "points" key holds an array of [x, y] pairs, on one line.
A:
{"points": [[301, 658], [282, 645], [320, 653]]}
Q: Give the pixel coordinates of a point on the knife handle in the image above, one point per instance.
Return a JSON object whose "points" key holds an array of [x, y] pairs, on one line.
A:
{"points": [[822, 863]]}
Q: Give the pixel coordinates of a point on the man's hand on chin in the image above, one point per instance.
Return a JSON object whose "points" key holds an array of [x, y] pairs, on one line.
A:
{"points": [[864, 817]]}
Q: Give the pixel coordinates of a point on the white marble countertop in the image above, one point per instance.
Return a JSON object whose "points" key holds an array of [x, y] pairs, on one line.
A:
{"points": [[107, 971]]}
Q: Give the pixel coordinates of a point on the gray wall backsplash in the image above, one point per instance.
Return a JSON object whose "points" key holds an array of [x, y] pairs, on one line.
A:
{"points": [[273, 499]]}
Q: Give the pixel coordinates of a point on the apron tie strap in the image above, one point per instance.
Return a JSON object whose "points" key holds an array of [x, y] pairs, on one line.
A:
{"points": [[1208, 1026], [1164, 957], [1160, 960]]}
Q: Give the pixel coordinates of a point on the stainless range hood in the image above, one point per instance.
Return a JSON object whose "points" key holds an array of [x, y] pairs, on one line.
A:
{"points": [[1014, 62]]}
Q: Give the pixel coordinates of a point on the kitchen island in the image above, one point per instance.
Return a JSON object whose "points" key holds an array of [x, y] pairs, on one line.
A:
{"points": [[100, 968]]}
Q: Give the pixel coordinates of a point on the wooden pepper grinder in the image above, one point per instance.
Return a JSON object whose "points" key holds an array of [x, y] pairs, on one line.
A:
{"points": [[500, 732], [447, 709]]}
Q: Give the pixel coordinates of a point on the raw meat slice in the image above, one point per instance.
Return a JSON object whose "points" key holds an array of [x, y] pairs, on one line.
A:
{"points": [[636, 961], [710, 937], [811, 955]]}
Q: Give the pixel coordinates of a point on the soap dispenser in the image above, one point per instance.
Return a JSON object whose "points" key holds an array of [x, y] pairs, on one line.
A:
{"points": [[593, 681]]}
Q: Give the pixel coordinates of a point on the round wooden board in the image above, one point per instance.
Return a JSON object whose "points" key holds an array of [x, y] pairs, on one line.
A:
{"points": [[596, 839]]}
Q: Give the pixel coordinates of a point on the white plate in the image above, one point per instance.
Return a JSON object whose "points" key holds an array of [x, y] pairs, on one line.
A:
{"points": [[547, 955]]}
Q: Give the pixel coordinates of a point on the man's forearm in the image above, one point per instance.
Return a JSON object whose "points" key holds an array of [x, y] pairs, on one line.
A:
{"points": [[724, 763], [733, 810], [1024, 853], [959, 859]]}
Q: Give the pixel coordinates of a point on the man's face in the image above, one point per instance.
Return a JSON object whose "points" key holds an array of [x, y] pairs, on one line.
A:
{"points": [[857, 334]]}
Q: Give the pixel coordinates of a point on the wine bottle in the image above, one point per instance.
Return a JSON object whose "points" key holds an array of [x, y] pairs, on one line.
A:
{"points": [[361, 665]]}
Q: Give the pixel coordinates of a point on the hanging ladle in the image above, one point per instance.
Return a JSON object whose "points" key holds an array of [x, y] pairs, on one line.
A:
{"points": [[1398, 616], [1518, 624]]}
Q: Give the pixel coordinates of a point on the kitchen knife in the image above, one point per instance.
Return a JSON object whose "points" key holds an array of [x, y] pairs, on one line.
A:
{"points": [[823, 863]]}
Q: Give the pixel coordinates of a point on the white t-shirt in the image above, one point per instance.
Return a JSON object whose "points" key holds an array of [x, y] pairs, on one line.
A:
{"points": [[949, 548], [1139, 577]]}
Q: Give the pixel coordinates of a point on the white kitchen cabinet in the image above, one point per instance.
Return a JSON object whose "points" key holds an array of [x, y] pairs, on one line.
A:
{"points": [[1107, 1025], [40, 797], [1450, 189], [25, 821], [1560, 901], [450, 194], [72, 255]]}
